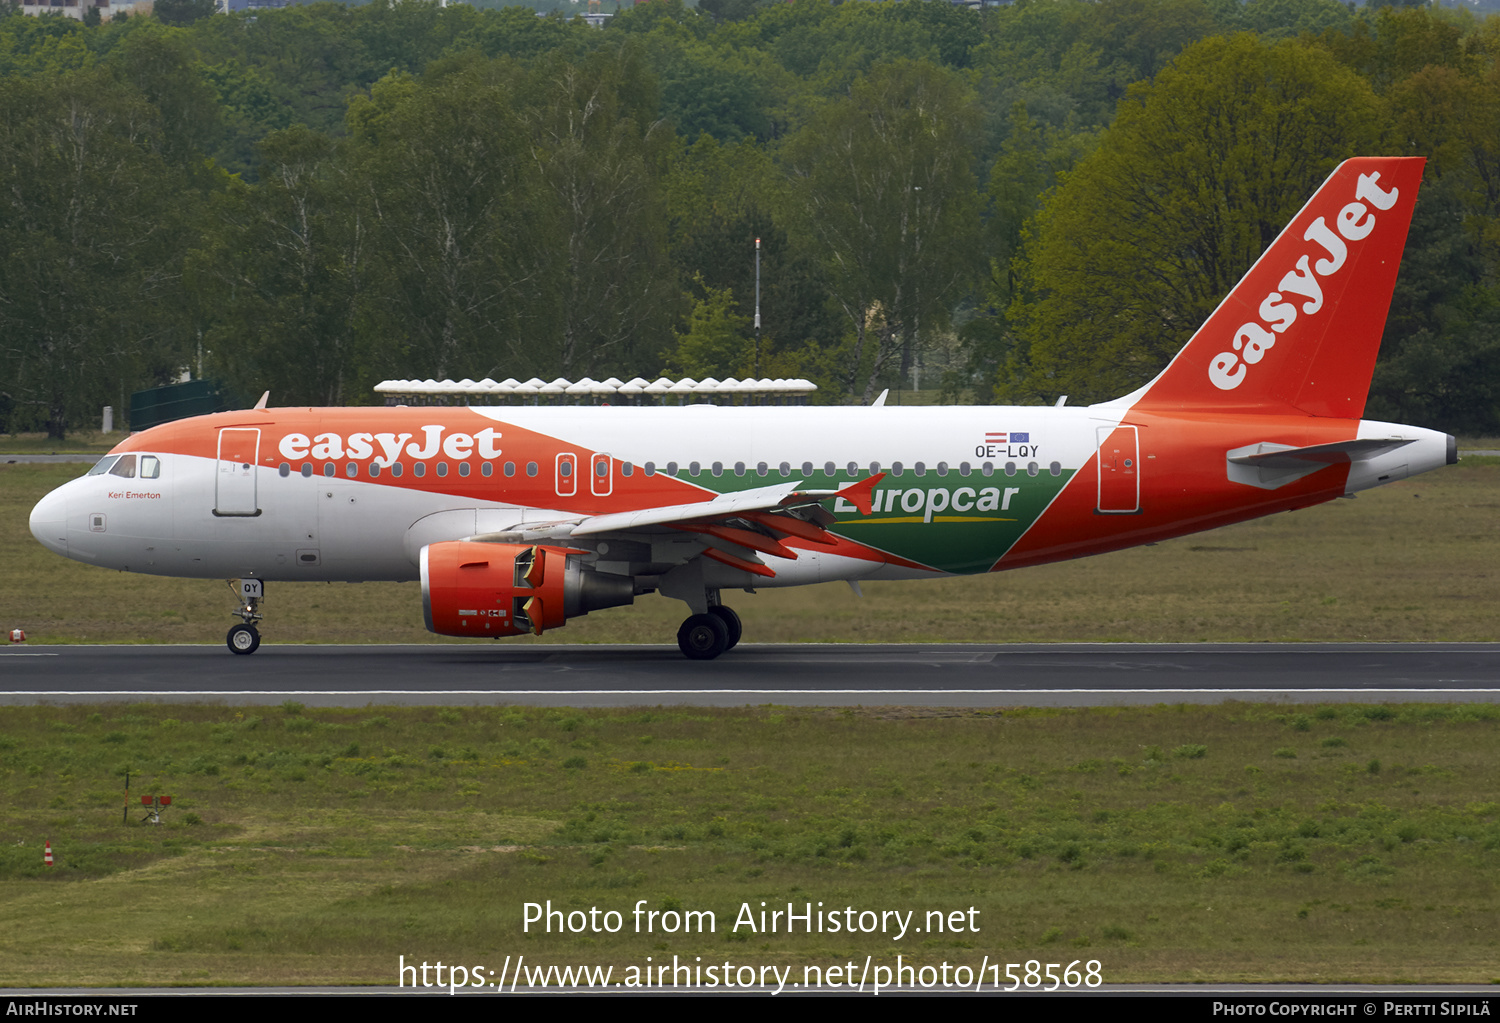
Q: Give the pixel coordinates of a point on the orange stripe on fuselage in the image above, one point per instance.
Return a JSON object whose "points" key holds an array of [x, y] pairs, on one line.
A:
{"points": [[199, 437], [1184, 485], [336, 428]]}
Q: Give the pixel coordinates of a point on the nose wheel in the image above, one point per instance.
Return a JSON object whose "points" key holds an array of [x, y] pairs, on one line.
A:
{"points": [[245, 637]]}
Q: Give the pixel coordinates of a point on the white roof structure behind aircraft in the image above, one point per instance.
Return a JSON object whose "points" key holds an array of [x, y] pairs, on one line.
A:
{"points": [[589, 391]]}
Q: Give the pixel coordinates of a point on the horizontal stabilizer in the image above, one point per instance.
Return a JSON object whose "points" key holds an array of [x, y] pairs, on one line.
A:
{"points": [[1269, 465]]}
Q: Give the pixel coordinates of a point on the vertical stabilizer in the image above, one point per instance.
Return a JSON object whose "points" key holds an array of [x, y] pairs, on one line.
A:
{"points": [[1301, 330]]}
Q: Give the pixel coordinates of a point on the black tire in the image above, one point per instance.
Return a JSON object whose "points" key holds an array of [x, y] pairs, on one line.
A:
{"points": [[731, 622], [243, 639], [703, 637]]}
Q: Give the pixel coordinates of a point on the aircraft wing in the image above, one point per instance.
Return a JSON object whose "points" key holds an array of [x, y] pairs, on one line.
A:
{"points": [[780, 498]]}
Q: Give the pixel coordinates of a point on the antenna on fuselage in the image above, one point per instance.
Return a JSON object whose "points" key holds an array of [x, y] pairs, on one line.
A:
{"points": [[260, 405], [880, 401]]}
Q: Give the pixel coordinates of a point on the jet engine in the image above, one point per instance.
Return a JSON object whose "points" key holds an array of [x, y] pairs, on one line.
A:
{"points": [[471, 588]]}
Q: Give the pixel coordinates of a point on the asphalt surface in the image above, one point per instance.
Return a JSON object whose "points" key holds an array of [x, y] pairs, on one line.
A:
{"points": [[939, 675]]}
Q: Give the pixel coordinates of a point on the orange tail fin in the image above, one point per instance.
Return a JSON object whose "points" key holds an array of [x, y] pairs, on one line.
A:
{"points": [[1302, 328]]}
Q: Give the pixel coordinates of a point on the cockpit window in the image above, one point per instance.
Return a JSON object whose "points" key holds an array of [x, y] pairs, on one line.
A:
{"points": [[150, 467], [103, 465], [125, 467]]}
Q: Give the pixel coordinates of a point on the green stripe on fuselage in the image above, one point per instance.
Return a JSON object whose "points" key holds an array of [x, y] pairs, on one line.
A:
{"points": [[915, 517], [954, 524]]}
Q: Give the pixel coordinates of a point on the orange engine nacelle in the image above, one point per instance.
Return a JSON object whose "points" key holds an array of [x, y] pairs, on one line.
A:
{"points": [[471, 588]]}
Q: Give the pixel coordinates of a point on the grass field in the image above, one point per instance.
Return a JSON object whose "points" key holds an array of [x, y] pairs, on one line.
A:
{"points": [[1233, 843]]}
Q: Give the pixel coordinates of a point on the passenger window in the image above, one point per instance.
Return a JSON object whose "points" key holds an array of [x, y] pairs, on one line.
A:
{"points": [[125, 467]]}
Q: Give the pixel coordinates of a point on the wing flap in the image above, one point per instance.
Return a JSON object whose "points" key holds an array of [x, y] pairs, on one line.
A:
{"points": [[779, 498]]}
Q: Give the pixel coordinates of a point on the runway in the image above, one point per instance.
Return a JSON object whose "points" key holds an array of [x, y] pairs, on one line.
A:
{"points": [[937, 675]]}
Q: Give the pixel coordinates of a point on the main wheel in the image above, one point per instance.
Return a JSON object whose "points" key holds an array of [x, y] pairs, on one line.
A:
{"points": [[731, 622], [243, 639], [703, 637]]}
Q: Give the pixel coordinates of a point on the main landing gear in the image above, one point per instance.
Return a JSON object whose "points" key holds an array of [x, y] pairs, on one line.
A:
{"points": [[245, 637], [706, 636]]}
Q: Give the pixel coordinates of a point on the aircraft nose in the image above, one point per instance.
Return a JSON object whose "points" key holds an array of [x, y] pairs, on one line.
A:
{"points": [[49, 522]]}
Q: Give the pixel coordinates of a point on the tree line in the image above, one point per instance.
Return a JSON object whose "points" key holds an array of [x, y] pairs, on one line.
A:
{"points": [[1005, 205]]}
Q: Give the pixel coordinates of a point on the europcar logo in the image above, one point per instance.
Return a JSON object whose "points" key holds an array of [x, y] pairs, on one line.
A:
{"points": [[927, 503], [1254, 339]]}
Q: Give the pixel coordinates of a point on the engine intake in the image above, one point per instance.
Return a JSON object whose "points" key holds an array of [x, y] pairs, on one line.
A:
{"points": [[500, 589]]}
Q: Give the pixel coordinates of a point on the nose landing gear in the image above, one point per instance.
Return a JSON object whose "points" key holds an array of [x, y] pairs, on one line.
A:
{"points": [[245, 638]]}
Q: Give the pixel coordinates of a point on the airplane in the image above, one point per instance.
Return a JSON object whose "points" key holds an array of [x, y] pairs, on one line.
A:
{"points": [[516, 519]]}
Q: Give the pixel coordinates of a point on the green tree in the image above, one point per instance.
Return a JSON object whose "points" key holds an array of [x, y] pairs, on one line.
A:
{"points": [[91, 240], [1199, 173], [883, 190], [1440, 357], [599, 152], [715, 343], [458, 238], [720, 199], [1033, 159], [282, 279], [182, 12]]}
